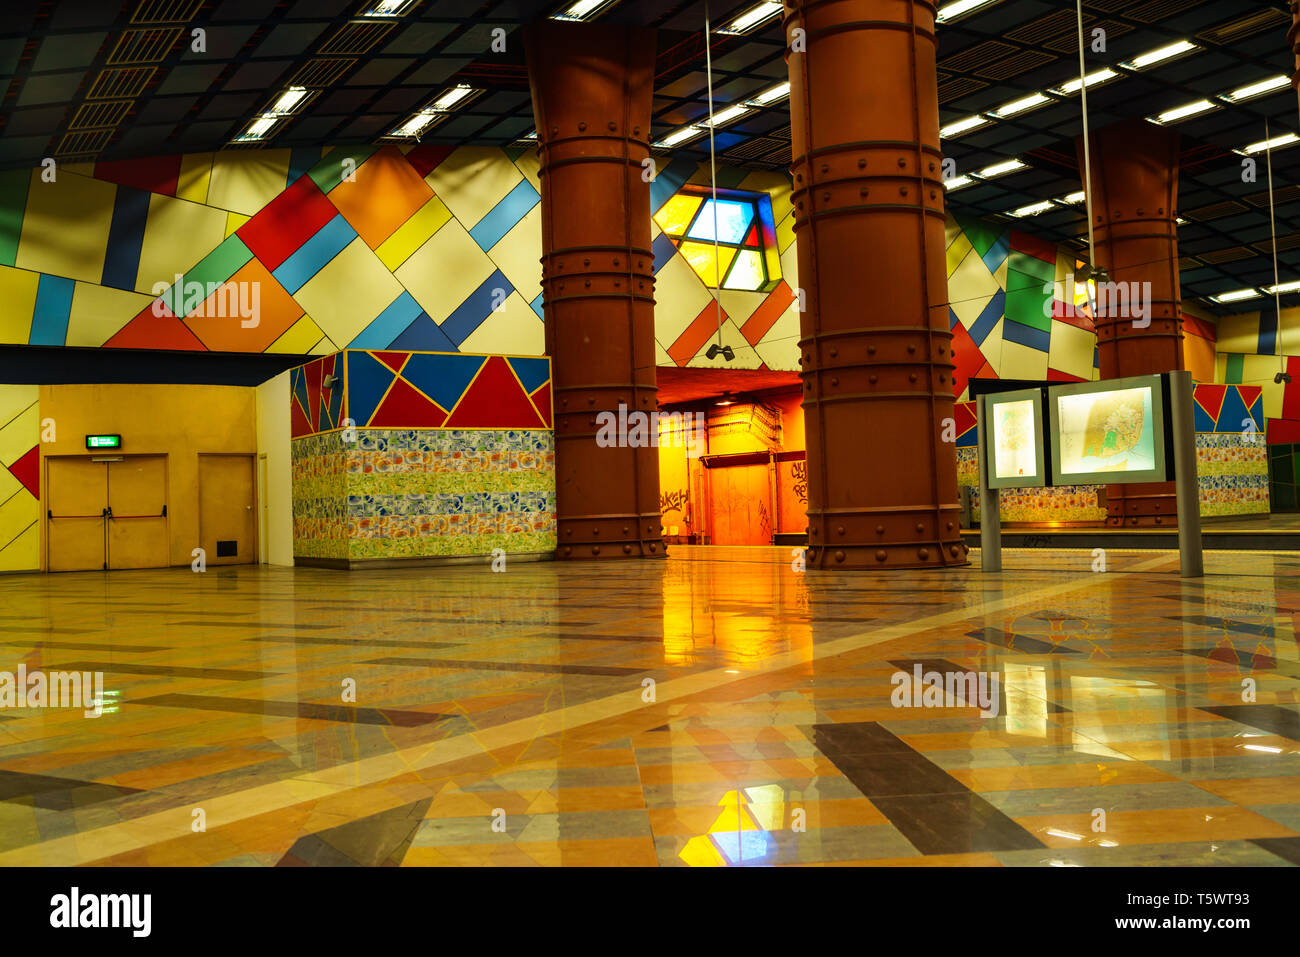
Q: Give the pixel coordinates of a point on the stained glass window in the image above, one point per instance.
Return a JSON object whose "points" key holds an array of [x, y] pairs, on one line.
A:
{"points": [[744, 255]]}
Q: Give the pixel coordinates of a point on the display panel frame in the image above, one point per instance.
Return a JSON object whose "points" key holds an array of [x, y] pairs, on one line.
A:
{"points": [[1040, 478], [1159, 417]]}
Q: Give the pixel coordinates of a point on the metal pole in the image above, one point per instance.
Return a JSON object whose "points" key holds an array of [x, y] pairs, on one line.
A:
{"points": [[990, 509], [1190, 558]]}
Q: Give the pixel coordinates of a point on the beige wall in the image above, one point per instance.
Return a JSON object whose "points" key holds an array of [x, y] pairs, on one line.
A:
{"points": [[273, 443], [180, 421]]}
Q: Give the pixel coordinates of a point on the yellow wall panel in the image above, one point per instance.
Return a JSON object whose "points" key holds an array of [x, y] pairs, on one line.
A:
{"points": [[517, 255], [443, 272], [1260, 368], [679, 297], [1239, 333], [65, 227], [196, 169], [472, 180], [98, 312], [348, 292], [516, 324], [1198, 358], [17, 300], [411, 235], [245, 181], [234, 221], [1070, 350], [20, 528], [1021, 362], [529, 163], [298, 339], [20, 421], [176, 236], [957, 251]]}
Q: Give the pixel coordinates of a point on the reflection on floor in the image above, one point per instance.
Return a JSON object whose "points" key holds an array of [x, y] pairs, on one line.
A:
{"points": [[511, 718]]}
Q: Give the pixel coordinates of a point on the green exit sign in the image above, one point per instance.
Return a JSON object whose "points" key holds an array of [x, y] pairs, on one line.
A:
{"points": [[103, 441]]}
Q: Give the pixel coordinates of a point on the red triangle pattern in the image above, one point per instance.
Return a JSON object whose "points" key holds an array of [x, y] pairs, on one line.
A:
{"points": [[963, 414], [298, 422], [494, 400], [1210, 398], [28, 470], [404, 406], [147, 331], [752, 238], [542, 402], [394, 360]]}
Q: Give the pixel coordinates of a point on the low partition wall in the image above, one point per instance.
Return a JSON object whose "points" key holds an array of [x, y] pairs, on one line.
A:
{"points": [[421, 456], [1231, 464]]}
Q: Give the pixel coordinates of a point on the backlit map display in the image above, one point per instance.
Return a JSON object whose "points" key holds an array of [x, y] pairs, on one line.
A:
{"points": [[1108, 432], [1015, 439]]}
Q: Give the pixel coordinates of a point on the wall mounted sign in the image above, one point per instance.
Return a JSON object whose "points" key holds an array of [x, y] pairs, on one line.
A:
{"points": [[97, 442]]}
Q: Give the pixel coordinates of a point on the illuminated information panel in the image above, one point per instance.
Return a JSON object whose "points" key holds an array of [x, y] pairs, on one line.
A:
{"points": [[1015, 442], [1108, 433]]}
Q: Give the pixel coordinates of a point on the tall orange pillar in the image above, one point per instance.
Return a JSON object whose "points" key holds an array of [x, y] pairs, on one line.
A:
{"points": [[1134, 195], [876, 351], [591, 87]]}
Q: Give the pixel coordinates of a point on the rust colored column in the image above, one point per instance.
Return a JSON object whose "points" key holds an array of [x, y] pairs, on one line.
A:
{"points": [[1293, 37], [877, 363], [1134, 217], [591, 87]]}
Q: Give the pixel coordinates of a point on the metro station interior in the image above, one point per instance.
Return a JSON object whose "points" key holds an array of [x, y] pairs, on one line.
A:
{"points": [[549, 433]]}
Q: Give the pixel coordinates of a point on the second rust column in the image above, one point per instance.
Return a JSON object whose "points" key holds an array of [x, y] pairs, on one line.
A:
{"points": [[591, 87], [875, 347], [1134, 194]]}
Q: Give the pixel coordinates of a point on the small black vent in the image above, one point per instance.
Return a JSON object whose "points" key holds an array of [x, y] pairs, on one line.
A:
{"points": [[228, 549]]}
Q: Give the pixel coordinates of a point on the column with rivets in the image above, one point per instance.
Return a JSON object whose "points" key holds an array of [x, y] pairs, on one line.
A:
{"points": [[875, 347], [1134, 212], [591, 88]]}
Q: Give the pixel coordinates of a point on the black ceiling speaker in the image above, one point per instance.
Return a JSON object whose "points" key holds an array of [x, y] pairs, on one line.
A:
{"points": [[727, 352]]}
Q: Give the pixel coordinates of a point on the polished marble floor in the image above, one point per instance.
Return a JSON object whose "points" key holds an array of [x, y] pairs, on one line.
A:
{"points": [[718, 708]]}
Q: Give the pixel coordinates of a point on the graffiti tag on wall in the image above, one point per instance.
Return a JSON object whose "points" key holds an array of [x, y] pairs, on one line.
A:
{"points": [[799, 476], [672, 501]]}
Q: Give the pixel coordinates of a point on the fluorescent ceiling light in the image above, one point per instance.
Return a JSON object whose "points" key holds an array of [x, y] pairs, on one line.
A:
{"points": [[999, 169], [416, 124], [678, 136], [1033, 209], [963, 126], [453, 96], [1021, 105], [778, 92], [1072, 198], [959, 8], [1284, 287], [582, 9], [288, 101], [1257, 89], [1236, 295], [957, 182], [1071, 87], [386, 8], [1276, 142], [1183, 112], [258, 129], [726, 116], [1160, 55], [755, 16]]}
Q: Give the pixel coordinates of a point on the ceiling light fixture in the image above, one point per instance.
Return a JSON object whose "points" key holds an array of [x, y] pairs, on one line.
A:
{"points": [[963, 126], [582, 10], [1071, 87], [959, 8], [1257, 89], [257, 130], [1000, 169], [677, 137], [957, 182], [752, 18], [289, 101], [388, 8], [1283, 288], [435, 113], [1021, 105], [1236, 295], [1072, 198], [1033, 209], [1277, 142], [1161, 55], [771, 95], [453, 97], [1195, 108], [723, 117]]}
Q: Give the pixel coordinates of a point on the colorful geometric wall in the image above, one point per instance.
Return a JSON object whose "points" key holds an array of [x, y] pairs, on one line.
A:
{"points": [[20, 491], [451, 455], [1231, 463], [1253, 348]]}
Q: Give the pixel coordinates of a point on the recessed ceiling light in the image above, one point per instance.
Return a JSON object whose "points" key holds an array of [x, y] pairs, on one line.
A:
{"points": [[1077, 197], [679, 136], [1194, 108], [418, 124], [257, 130], [1257, 89], [724, 117], [1283, 287], [1235, 295], [289, 101], [754, 17], [1033, 209], [957, 182], [456, 95], [1275, 143], [959, 8], [1071, 87], [582, 9], [387, 8], [999, 169], [771, 95], [963, 126], [1160, 55], [1021, 105]]}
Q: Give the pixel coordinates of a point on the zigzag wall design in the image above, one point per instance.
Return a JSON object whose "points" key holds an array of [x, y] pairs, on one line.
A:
{"points": [[20, 489]]}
